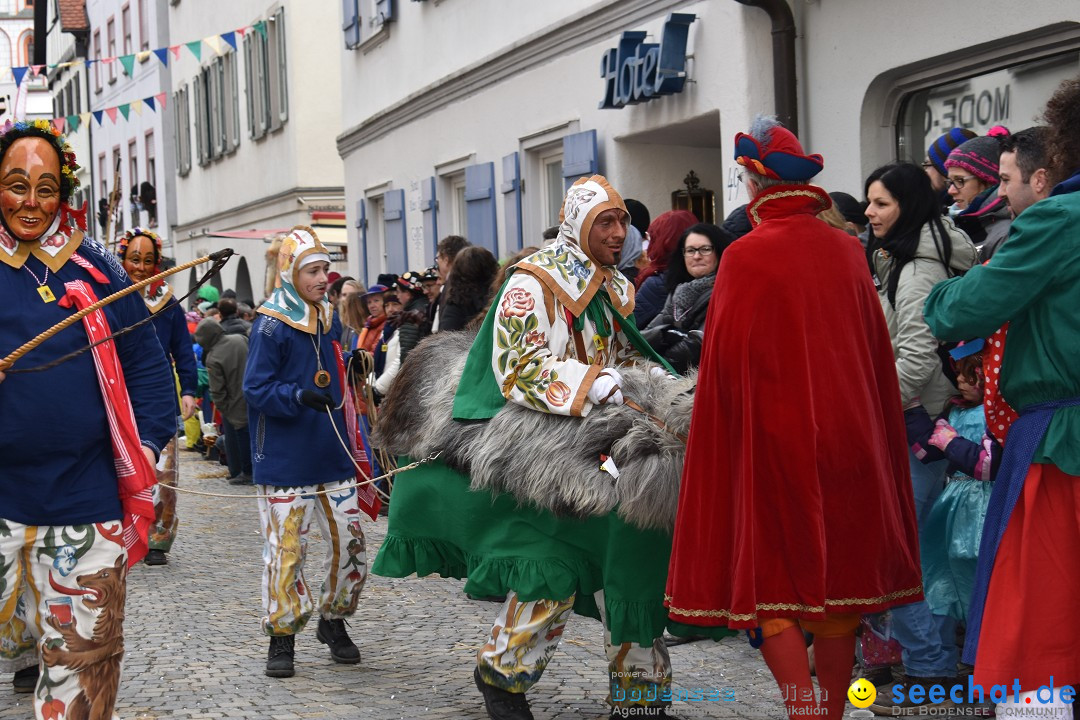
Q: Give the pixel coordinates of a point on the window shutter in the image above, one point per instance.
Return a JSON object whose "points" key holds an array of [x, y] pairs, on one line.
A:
{"points": [[428, 207], [384, 11], [579, 157], [480, 206], [351, 22], [361, 226], [200, 120], [397, 241], [511, 192]]}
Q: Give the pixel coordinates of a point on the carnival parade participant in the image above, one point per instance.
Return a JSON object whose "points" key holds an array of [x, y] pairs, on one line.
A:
{"points": [[551, 342], [294, 385], [76, 474], [795, 511], [140, 252], [1023, 622]]}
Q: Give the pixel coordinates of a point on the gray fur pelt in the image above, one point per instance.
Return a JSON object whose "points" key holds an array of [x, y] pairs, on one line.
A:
{"points": [[547, 461]]}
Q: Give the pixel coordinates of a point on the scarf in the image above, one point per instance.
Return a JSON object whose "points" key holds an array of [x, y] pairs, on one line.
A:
{"points": [[366, 496], [134, 473], [285, 303]]}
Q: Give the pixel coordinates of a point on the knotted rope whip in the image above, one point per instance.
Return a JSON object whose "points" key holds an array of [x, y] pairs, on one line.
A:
{"points": [[219, 259]]}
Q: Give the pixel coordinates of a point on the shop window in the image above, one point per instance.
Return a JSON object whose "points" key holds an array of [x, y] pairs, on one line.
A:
{"points": [[1012, 97]]}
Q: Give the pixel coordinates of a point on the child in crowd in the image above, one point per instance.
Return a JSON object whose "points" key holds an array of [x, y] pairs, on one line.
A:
{"points": [[950, 539]]}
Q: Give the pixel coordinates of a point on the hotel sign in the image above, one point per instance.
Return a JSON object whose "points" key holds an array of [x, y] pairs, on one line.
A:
{"points": [[637, 71]]}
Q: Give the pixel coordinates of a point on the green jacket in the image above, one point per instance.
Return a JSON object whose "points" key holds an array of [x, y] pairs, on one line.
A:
{"points": [[1033, 283]]}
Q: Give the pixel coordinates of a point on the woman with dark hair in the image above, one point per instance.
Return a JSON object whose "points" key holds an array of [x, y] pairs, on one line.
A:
{"points": [[910, 248], [468, 288], [675, 332], [664, 233]]}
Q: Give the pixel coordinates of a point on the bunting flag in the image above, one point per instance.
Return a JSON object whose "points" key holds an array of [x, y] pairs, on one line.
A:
{"points": [[137, 106], [19, 73], [84, 117], [111, 112], [149, 103], [73, 122], [143, 56], [261, 28], [195, 46], [163, 56], [128, 61], [97, 116], [175, 49], [124, 109], [160, 97], [36, 69], [59, 124], [230, 37]]}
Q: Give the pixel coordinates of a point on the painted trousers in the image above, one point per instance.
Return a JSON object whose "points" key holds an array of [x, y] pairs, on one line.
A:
{"points": [[526, 634], [163, 531], [285, 519], [71, 582]]}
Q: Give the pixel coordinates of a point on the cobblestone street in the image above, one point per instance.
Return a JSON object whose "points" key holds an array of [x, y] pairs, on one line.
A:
{"points": [[195, 650]]}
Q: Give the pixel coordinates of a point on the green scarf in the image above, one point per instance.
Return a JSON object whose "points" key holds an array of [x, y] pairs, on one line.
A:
{"points": [[479, 395]]}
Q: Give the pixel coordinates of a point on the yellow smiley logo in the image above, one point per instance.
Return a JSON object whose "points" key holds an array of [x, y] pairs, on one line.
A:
{"points": [[861, 693]]}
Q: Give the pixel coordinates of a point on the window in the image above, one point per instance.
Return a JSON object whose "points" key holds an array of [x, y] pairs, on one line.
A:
{"points": [[151, 163], [103, 177], [182, 114], [28, 47], [553, 189], [217, 109], [125, 25], [459, 221], [77, 105], [266, 78], [97, 56], [133, 178], [144, 27], [110, 38]]}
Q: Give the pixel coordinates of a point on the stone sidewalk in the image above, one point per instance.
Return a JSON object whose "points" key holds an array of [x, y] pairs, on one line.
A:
{"points": [[195, 649]]}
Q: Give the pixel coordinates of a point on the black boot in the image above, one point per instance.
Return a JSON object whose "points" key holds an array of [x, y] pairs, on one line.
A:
{"points": [[155, 557], [279, 661], [342, 649], [501, 704], [25, 680]]}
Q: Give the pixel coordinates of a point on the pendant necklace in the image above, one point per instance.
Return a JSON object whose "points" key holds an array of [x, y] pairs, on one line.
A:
{"points": [[322, 377], [42, 289]]}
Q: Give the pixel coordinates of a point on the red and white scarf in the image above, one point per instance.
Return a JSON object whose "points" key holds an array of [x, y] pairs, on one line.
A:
{"points": [[134, 473], [366, 495]]}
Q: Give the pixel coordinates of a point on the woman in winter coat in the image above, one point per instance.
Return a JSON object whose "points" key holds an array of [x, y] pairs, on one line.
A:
{"points": [[468, 288], [911, 248], [675, 332], [664, 233]]}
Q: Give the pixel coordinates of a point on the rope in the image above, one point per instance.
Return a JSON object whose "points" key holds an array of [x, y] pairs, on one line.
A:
{"points": [[257, 496], [659, 423], [219, 259]]}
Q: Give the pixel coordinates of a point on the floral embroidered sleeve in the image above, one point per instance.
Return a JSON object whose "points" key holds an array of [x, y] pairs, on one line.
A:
{"points": [[527, 370]]}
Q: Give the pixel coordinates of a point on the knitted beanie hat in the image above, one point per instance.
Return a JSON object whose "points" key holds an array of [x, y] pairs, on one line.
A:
{"points": [[980, 156], [940, 149]]}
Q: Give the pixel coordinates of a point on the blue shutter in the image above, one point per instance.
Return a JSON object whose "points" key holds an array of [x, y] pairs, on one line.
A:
{"points": [[428, 207], [397, 241], [579, 157], [361, 226], [384, 11], [511, 190], [351, 22], [480, 206]]}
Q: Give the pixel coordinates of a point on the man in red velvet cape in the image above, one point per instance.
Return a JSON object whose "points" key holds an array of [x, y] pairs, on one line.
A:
{"points": [[796, 509]]}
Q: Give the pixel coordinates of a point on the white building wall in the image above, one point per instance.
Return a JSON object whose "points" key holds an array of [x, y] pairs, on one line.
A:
{"points": [[60, 48], [645, 149], [272, 182]]}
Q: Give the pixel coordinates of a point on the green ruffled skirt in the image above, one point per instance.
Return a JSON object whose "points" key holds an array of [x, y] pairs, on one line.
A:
{"points": [[437, 525]]}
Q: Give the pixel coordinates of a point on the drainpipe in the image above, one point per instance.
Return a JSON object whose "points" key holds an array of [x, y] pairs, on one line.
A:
{"points": [[783, 34]]}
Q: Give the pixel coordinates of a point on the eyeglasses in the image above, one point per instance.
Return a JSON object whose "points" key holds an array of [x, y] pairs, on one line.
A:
{"points": [[958, 182], [699, 251], [927, 164]]}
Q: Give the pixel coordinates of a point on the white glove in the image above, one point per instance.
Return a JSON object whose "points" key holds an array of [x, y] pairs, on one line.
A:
{"points": [[660, 373], [606, 388]]}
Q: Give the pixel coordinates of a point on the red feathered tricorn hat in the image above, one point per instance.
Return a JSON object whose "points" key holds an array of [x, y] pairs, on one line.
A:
{"points": [[781, 159]]}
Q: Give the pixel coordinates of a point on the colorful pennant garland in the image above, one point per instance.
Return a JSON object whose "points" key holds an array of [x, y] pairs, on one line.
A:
{"points": [[216, 43], [72, 123]]}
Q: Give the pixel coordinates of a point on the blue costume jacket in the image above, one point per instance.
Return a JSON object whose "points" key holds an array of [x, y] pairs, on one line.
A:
{"points": [[173, 335], [56, 461]]}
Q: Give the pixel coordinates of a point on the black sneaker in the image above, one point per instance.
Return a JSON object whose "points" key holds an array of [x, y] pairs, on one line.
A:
{"points": [[279, 660], [885, 705], [342, 649], [502, 704], [25, 680], [241, 479], [156, 557]]}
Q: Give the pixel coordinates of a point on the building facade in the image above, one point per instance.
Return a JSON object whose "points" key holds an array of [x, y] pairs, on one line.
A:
{"points": [[130, 140], [471, 118], [29, 99], [68, 86], [254, 132]]}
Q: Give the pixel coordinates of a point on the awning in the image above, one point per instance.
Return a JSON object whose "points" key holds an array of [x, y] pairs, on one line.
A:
{"points": [[248, 234]]}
